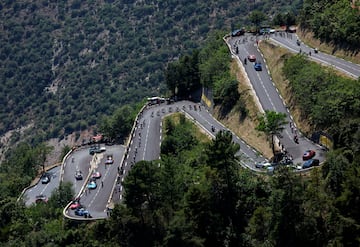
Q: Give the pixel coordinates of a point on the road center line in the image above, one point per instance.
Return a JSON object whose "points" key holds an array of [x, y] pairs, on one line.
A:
{"points": [[146, 138]]}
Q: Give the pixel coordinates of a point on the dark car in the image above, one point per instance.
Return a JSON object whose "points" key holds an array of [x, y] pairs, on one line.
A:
{"points": [[78, 175], [258, 66], [265, 30], [41, 199], [45, 178], [309, 154], [310, 163], [238, 32]]}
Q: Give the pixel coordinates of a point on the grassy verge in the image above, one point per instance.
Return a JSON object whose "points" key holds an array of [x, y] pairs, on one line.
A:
{"points": [[199, 133]]}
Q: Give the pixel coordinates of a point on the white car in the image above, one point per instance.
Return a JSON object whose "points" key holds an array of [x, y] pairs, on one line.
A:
{"points": [[263, 165]]}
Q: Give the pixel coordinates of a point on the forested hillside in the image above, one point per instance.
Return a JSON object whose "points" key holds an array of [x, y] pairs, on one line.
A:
{"points": [[197, 194], [335, 22], [65, 63]]}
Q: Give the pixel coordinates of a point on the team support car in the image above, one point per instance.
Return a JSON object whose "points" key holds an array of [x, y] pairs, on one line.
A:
{"points": [[91, 185], [238, 32], [109, 160], [45, 179], [309, 154], [252, 58], [41, 199], [262, 165], [310, 163], [78, 175], [95, 149], [258, 66], [82, 212], [75, 205], [96, 174]]}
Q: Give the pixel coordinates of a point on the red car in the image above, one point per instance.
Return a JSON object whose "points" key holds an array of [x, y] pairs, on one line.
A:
{"points": [[96, 174], [252, 58], [75, 205], [309, 154]]}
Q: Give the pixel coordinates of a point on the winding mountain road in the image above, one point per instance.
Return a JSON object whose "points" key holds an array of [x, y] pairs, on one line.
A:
{"points": [[146, 135]]}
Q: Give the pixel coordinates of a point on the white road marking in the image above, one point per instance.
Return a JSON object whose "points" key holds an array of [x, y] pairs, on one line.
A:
{"points": [[266, 92], [146, 138]]}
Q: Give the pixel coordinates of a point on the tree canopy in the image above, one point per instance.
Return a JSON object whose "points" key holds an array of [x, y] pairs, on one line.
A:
{"points": [[272, 124]]}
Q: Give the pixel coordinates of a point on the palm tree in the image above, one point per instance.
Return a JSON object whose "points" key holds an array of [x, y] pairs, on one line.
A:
{"points": [[272, 124]]}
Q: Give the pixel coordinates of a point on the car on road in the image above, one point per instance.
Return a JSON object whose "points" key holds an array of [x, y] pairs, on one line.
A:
{"points": [[96, 174], [310, 163], [75, 205], [78, 175], [94, 149], [91, 185], [262, 165], [238, 32], [309, 154], [258, 66], [252, 58], [41, 199], [45, 179], [82, 212], [109, 160]]}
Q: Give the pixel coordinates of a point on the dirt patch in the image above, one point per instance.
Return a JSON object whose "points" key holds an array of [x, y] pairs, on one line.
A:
{"points": [[58, 145]]}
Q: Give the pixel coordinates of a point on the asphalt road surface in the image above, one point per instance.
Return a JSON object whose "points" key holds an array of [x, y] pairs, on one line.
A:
{"points": [[94, 200], [289, 41], [270, 99], [146, 140], [43, 189]]}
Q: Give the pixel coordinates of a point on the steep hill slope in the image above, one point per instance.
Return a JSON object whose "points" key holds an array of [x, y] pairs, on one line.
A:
{"points": [[64, 64]]}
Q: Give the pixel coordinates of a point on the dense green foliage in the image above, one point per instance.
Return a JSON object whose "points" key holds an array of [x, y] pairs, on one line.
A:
{"points": [[332, 21], [65, 64], [118, 125], [22, 165], [329, 102], [182, 77], [198, 195], [209, 67], [272, 124]]}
